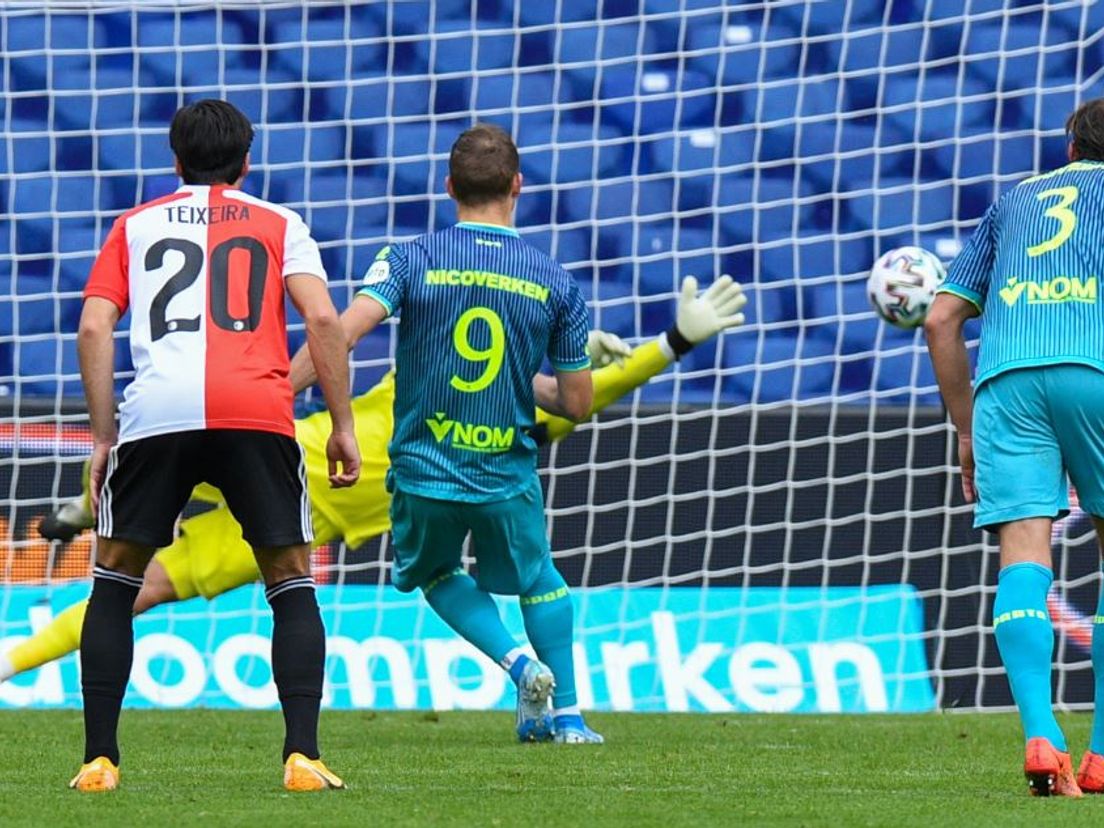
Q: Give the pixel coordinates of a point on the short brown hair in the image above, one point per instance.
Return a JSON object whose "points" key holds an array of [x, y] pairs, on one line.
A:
{"points": [[1085, 130], [482, 165]]}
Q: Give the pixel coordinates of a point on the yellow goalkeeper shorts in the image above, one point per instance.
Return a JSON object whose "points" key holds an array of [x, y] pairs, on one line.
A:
{"points": [[210, 557]]}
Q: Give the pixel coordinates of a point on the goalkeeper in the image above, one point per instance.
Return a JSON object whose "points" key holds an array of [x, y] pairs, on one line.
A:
{"points": [[210, 557]]}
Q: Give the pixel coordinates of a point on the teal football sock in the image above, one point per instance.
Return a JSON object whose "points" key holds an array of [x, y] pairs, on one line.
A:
{"points": [[1025, 639], [471, 612], [549, 623], [1096, 743]]}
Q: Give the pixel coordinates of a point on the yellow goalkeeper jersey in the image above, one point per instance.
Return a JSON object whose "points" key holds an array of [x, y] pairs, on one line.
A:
{"points": [[358, 512]]}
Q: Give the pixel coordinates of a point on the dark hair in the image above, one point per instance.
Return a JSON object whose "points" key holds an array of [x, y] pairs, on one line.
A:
{"points": [[210, 139], [1085, 130], [482, 165]]}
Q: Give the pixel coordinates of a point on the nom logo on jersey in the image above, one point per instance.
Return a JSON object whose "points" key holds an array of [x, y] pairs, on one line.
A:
{"points": [[471, 436], [1056, 291]]}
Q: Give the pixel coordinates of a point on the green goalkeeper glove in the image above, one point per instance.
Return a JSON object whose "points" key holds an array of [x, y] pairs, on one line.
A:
{"points": [[701, 317], [606, 348]]}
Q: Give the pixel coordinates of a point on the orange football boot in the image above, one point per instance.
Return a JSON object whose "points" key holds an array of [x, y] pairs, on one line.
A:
{"points": [[101, 774], [303, 774], [1049, 772], [1090, 776]]}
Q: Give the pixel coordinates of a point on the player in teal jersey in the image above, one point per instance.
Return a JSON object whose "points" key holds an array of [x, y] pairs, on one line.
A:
{"points": [[479, 311], [1032, 271]]}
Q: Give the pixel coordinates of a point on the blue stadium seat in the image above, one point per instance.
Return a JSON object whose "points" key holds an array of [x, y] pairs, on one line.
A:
{"points": [[894, 49], [618, 200], [613, 308], [687, 151], [324, 51], [76, 194], [538, 94], [419, 156], [28, 72], [35, 311], [455, 47], [33, 235], [546, 14], [846, 308], [374, 349], [741, 52], [935, 105], [577, 152], [317, 144], [662, 259], [616, 45], [832, 17], [571, 247], [905, 371], [772, 206], [42, 364], [896, 203], [971, 154], [830, 152], [78, 235], [1040, 108], [652, 98], [991, 52], [779, 367], [367, 98], [327, 207]]}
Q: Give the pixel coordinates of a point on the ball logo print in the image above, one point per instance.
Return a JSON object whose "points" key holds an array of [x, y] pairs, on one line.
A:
{"points": [[902, 285]]}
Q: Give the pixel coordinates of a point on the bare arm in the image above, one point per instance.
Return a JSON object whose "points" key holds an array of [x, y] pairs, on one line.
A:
{"points": [[569, 394], [96, 351], [330, 357], [361, 317], [947, 347]]}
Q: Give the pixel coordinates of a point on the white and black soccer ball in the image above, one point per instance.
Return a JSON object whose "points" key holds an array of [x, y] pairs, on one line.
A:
{"points": [[902, 285]]}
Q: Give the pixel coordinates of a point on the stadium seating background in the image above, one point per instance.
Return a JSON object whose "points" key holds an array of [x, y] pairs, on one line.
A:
{"points": [[786, 145]]}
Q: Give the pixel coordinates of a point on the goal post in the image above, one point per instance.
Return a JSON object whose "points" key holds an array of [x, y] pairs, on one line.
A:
{"points": [[771, 524]]}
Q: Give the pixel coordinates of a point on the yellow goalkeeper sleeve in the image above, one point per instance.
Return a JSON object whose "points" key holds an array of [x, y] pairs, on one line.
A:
{"points": [[612, 383], [59, 637]]}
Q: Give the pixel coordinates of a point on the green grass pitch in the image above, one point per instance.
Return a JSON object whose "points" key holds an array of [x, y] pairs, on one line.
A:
{"points": [[463, 769]]}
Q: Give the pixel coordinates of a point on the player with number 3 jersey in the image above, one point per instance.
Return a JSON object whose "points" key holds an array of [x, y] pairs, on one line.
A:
{"points": [[1032, 272]]}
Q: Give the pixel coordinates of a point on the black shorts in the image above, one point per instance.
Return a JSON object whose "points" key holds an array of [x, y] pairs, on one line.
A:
{"points": [[262, 475]]}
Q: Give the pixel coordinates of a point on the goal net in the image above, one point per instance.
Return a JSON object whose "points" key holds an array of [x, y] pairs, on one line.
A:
{"points": [[772, 524]]}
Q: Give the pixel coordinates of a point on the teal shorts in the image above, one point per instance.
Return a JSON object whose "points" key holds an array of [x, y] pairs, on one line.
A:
{"points": [[1032, 428], [508, 540]]}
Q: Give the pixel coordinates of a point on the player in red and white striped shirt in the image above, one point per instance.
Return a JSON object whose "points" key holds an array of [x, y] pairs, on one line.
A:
{"points": [[204, 273]]}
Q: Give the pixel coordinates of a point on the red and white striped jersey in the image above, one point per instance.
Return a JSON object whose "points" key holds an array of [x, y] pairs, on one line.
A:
{"points": [[202, 272]]}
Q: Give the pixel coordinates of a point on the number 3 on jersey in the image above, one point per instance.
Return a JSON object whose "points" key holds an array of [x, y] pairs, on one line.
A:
{"points": [[1066, 218], [219, 268], [491, 355]]}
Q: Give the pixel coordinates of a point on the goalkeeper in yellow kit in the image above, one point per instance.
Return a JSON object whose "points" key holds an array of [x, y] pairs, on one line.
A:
{"points": [[210, 557]]}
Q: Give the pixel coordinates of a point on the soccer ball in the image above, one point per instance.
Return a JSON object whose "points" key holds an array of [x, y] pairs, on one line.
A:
{"points": [[902, 285]]}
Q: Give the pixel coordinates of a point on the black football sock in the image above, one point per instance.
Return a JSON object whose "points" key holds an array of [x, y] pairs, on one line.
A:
{"points": [[298, 661], [106, 653]]}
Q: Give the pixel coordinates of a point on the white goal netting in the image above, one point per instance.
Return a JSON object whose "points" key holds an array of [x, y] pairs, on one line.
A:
{"points": [[771, 525]]}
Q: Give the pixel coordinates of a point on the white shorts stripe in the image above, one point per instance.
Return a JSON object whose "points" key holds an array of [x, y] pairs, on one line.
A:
{"points": [[106, 520], [304, 503]]}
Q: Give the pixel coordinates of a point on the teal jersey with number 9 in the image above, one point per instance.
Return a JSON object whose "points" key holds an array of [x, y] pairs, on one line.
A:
{"points": [[479, 310], [1033, 268]]}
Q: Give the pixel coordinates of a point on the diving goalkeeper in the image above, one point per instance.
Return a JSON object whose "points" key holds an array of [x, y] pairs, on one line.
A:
{"points": [[209, 557]]}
